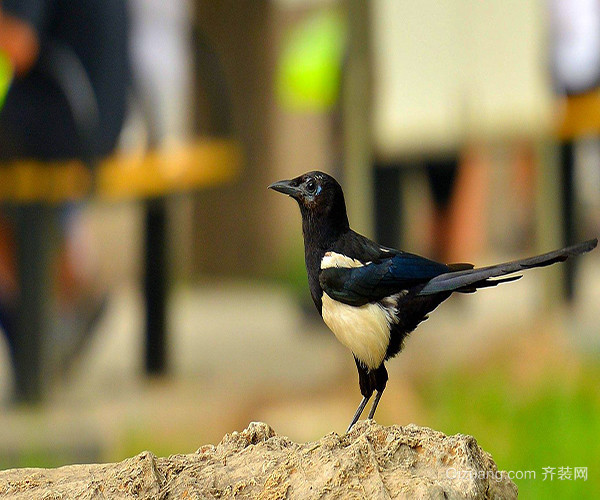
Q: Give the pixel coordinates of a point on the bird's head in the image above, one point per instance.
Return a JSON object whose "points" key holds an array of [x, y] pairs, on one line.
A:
{"points": [[320, 198]]}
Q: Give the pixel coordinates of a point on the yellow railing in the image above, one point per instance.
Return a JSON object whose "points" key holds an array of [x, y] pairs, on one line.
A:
{"points": [[125, 175], [580, 116]]}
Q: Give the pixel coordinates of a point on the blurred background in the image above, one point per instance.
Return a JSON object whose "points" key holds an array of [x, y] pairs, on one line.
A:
{"points": [[463, 131]]}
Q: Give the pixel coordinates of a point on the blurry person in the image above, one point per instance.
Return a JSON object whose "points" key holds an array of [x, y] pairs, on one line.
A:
{"points": [[442, 175], [459, 187], [36, 122]]}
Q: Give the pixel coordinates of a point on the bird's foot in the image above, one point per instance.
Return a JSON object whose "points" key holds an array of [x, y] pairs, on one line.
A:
{"points": [[358, 412]]}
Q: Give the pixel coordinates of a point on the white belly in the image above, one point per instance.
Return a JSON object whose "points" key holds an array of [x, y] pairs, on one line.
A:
{"points": [[365, 330]]}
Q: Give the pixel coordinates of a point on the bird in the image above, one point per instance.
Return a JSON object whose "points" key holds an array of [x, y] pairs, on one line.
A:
{"points": [[371, 296]]}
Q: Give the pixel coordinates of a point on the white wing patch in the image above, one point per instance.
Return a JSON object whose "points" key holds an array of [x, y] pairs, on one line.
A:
{"points": [[333, 259], [365, 330]]}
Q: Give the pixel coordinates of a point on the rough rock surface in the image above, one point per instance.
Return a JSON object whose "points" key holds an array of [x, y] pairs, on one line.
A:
{"points": [[370, 462]]}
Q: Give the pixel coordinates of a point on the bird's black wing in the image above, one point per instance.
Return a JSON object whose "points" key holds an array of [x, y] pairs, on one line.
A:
{"points": [[373, 281]]}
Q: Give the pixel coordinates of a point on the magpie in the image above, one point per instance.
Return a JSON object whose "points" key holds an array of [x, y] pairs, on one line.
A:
{"points": [[371, 296]]}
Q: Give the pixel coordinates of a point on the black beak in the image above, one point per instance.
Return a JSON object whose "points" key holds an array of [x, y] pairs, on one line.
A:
{"points": [[286, 187]]}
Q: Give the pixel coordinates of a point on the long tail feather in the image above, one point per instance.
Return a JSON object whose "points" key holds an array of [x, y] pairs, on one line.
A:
{"points": [[470, 279]]}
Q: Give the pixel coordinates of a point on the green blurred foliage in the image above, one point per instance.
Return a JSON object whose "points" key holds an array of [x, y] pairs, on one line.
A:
{"points": [[552, 424], [289, 270], [310, 65], [6, 75]]}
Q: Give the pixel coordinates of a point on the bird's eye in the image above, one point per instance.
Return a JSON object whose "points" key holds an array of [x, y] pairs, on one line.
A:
{"points": [[311, 186]]}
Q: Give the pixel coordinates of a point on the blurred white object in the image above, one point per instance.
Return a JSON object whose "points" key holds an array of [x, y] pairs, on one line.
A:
{"points": [[162, 64], [447, 72], [576, 37]]}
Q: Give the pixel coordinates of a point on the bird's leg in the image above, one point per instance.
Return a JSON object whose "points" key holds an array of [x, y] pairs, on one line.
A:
{"points": [[366, 384], [358, 412], [381, 378], [375, 403]]}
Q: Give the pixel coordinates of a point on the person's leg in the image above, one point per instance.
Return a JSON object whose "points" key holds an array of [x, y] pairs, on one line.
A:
{"points": [[442, 173]]}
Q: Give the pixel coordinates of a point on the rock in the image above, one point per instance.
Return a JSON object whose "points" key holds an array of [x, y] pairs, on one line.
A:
{"points": [[371, 462]]}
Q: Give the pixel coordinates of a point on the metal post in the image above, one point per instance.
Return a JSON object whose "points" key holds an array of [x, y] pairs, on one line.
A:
{"points": [[35, 225], [155, 286], [549, 212]]}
